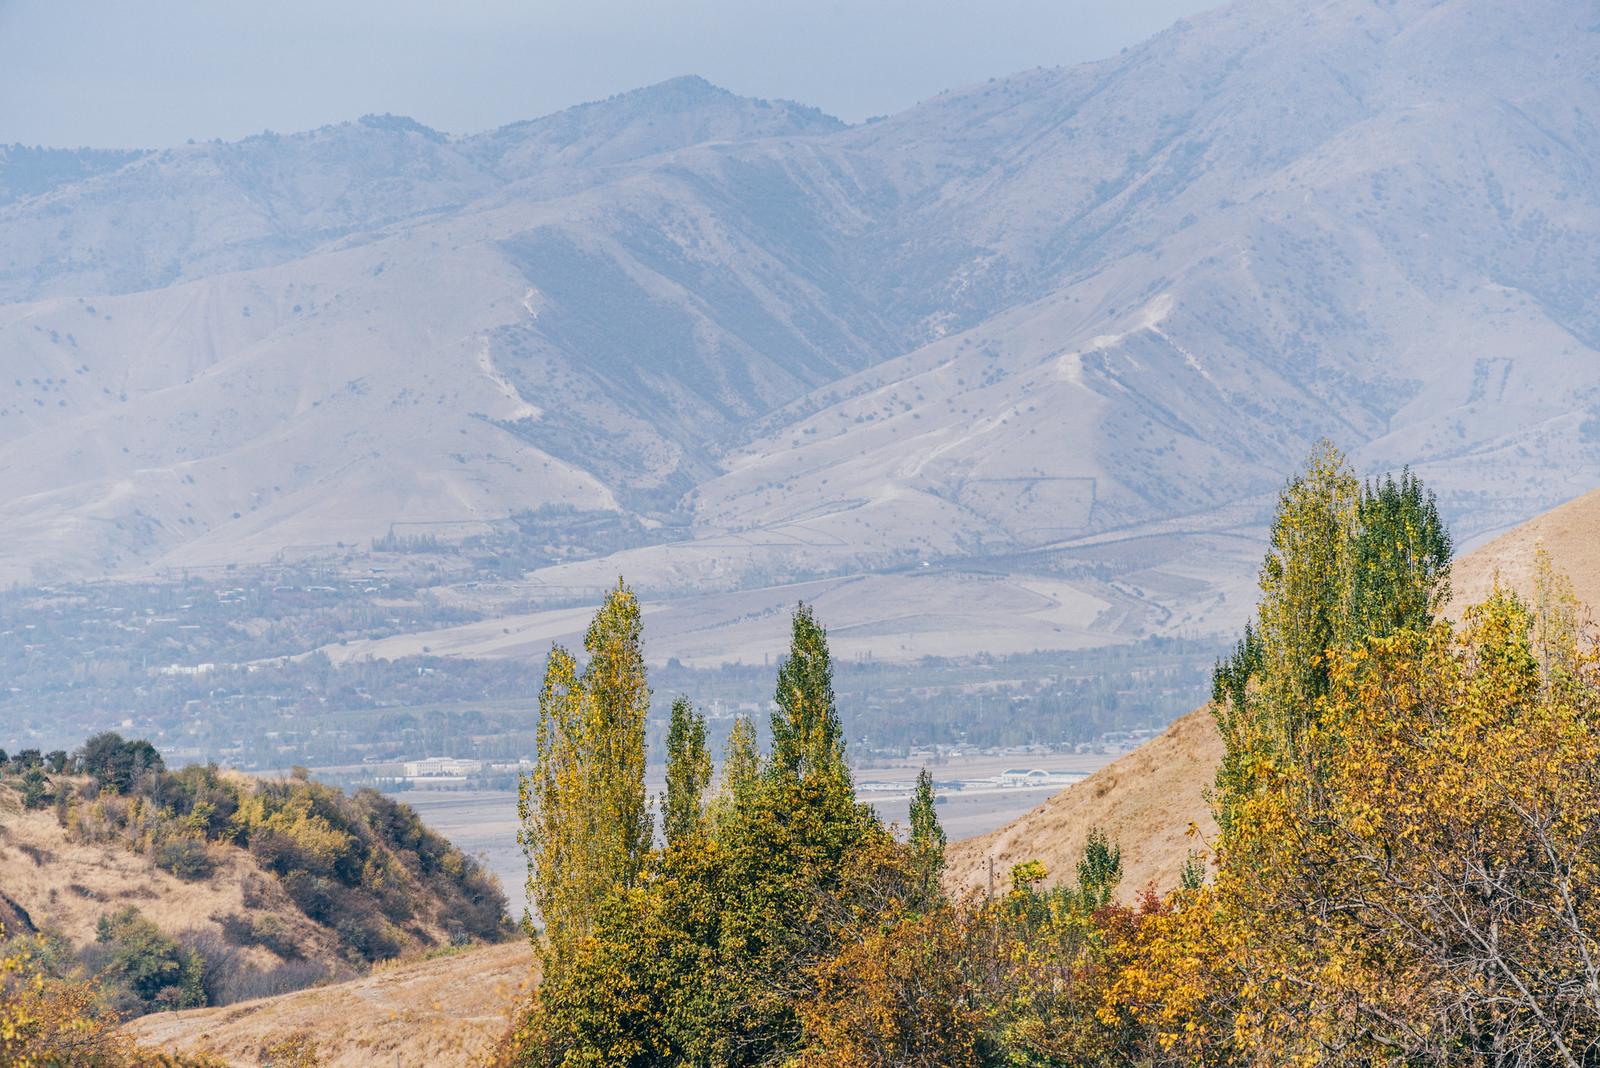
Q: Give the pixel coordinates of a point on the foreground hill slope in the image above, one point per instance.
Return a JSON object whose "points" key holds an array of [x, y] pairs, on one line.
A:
{"points": [[1570, 534], [1146, 801], [445, 1012]]}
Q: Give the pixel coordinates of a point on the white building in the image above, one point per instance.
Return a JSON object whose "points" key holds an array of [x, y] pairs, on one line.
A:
{"points": [[436, 767], [1025, 777]]}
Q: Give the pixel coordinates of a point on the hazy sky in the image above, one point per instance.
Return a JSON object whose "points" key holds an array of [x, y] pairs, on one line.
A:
{"points": [[151, 72]]}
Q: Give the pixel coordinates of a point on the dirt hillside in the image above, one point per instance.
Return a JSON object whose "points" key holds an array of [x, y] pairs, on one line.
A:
{"points": [[443, 1013], [1570, 534], [1143, 801], [1146, 800], [66, 886]]}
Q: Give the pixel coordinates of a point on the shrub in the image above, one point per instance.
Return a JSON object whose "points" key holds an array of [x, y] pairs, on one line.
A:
{"points": [[293, 1051], [369, 935], [229, 976], [149, 970], [266, 931], [187, 858], [35, 788], [51, 1021]]}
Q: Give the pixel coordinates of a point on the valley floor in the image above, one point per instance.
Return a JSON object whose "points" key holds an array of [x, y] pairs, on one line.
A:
{"points": [[483, 823]]}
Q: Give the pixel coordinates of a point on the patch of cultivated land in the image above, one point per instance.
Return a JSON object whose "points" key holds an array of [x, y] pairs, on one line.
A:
{"points": [[443, 1013]]}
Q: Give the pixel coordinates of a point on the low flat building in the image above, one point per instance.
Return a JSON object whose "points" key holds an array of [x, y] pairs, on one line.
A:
{"points": [[440, 767]]}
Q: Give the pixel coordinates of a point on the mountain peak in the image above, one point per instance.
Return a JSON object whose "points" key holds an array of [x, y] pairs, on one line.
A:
{"points": [[670, 115], [400, 124]]}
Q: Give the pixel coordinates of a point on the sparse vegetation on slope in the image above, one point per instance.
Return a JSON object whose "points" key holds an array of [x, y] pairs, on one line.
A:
{"points": [[1146, 800], [51, 1021], [196, 887], [363, 866]]}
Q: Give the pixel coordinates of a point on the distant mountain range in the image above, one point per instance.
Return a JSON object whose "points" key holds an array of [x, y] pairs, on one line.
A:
{"points": [[1019, 367]]}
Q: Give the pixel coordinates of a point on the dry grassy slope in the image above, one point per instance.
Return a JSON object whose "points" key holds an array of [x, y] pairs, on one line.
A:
{"points": [[1570, 534], [442, 1012], [67, 886], [1146, 800]]}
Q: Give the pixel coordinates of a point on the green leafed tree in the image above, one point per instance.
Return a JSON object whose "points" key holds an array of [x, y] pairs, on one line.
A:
{"points": [[115, 764], [1400, 566], [806, 734], [1347, 564], [709, 958], [1305, 585], [688, 773], [927, 836], [1099, 870], [741, 769], [585, 825]]}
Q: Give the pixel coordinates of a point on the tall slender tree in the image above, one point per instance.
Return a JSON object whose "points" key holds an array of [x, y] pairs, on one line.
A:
{"points": [[927, 836], [585, 825], [1305, 588], [688, 773], [1348, 563], [551, 800], [1400, 561], [806, 734], [741, 763]]}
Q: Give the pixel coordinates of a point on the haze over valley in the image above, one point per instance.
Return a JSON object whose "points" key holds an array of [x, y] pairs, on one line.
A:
{"points": [[1019, 368]]}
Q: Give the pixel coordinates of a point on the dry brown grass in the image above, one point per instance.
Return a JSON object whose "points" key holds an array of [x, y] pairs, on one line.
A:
{"points": [[444, 1013], [1570, 534], [67, 886], [1144, 802]]}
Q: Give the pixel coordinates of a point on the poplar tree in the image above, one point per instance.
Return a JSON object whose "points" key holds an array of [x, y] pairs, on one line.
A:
{"points": [[927, 836], [1306, 582], [1347, 564], [585, 825], [620, 695], [551, 799], [1400, 561], [688, 773], [741, 764], [806, 734]]}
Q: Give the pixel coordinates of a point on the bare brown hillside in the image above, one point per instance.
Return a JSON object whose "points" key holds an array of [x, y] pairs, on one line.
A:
{"points": [[1144, 802], [1147, 800], [443, 1013], [1570, 534]]}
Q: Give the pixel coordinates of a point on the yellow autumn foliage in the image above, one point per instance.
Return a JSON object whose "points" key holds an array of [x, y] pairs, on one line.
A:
{"points": [[49, 1022], [1419, 885]]}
